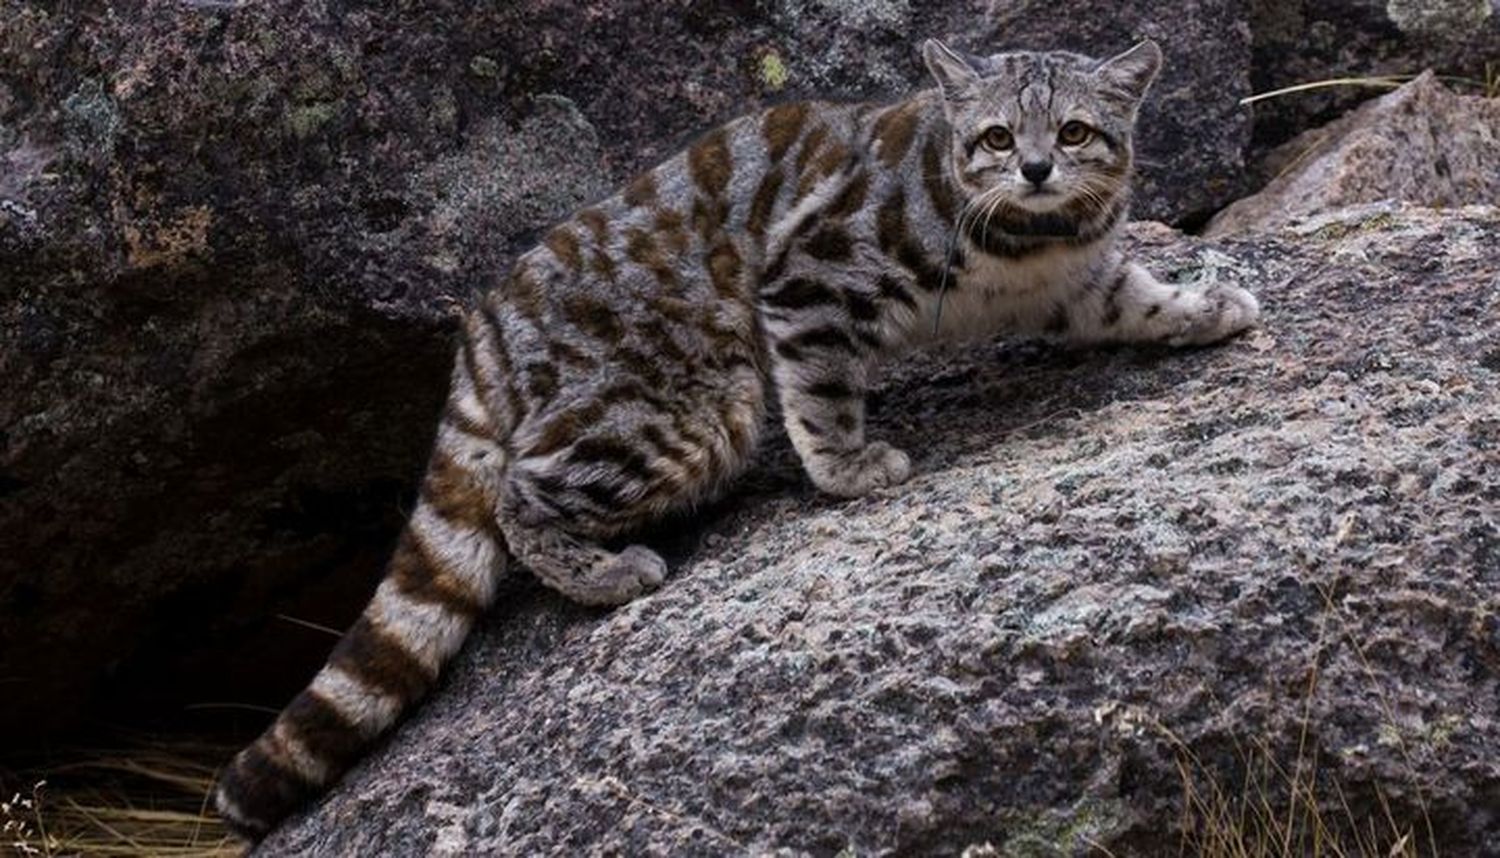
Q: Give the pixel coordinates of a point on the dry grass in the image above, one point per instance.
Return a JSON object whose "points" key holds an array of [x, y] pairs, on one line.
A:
{"points": [[1272, 811], [151, 799], [1488, 87]]}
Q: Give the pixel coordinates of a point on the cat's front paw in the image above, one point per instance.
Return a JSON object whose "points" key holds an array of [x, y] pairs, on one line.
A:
{"points": [[617, 580], [852, 473], [1226, 311]]}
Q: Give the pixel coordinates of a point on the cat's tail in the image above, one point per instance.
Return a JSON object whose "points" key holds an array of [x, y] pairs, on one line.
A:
{"points": [[443, 574]]}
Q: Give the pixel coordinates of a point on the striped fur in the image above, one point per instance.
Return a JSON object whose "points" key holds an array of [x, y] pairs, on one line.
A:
{"points": [[624, 368]]}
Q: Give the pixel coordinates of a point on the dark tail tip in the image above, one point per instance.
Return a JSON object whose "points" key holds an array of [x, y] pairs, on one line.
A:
{"points": [[255, 794]]}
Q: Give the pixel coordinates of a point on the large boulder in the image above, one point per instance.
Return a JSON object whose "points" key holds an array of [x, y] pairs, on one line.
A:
{"points": [[1307, 41], [1268, 563], [1420, 144], [229, 237]]}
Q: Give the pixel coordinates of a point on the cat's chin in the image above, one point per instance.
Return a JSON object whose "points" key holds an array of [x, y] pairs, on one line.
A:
{"points": [[1040, 202]]}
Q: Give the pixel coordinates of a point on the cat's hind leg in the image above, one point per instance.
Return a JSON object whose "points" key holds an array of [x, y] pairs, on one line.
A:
{"points": [[586, 474], [580, 569]]}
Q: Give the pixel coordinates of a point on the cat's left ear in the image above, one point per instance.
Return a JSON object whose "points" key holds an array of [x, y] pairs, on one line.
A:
{"points": [[1133, 71], [952, 71]]}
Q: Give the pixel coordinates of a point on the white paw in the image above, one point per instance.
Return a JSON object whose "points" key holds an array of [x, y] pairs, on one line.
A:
{"points": [[1238, 309], [859, 472], [1226, 311]]}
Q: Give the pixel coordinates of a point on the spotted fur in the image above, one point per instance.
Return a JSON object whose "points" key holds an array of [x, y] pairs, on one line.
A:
{"points": [[625, 368]]}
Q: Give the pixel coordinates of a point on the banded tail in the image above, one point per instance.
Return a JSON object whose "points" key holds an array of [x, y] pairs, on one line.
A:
{"points": [[442, 575]]}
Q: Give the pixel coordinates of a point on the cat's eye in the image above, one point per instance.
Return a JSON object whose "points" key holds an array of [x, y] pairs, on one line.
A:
{"points": [[998, 139], [1074, 133]]}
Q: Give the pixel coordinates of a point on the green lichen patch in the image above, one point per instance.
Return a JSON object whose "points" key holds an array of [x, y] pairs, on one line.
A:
{"points": [[1049, 834], [1340, 229], [93, 120], [484, 67], [306, 120], [771, 71]]}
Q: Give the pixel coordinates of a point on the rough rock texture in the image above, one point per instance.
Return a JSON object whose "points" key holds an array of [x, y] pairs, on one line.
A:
{"points": [[228, 235], [1299, 41], [1440, 19], [1421, 144], [1293, 538]]}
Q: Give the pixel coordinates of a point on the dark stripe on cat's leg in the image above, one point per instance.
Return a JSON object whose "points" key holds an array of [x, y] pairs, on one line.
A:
{"points": [[829, 390], [892, 290], [1112, 297], [827, 337], [455, 418], [800, 292], [559, 431], [515, 408]]}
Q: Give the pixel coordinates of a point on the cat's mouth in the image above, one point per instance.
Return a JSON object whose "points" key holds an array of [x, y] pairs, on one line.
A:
{"points": [[1041, 200]]}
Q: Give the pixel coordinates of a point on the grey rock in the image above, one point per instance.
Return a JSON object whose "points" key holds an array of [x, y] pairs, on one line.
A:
{"points": [[1302, 41], [1107, 563], [1420, 144], [230, 235], [1440, 19]]}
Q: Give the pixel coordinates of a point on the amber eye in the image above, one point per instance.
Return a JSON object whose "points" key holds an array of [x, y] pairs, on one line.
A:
{"points": [[1074, 133], [998, 139]]}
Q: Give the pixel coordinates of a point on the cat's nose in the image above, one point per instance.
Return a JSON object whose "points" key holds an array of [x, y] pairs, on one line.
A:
{"points": [[1036, 172]]}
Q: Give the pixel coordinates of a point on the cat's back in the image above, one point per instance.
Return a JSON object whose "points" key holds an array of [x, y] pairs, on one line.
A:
{"points": [[646, 300], [683, 243]]}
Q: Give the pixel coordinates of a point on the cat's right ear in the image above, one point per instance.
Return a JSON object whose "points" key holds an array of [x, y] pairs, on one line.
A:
{"points": [[953, 73]]}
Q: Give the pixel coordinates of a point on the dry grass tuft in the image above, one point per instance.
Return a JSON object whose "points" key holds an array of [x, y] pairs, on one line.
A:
{"points": [[1275, 812], [1489, 87], [147, 800]]}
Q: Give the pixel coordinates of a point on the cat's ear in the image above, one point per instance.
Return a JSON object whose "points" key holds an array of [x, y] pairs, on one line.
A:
{"points": [[952, 71], [1133, 71]]}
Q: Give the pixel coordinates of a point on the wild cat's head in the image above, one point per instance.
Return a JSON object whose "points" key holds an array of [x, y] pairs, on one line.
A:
{"points": [[1042, 133]]}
